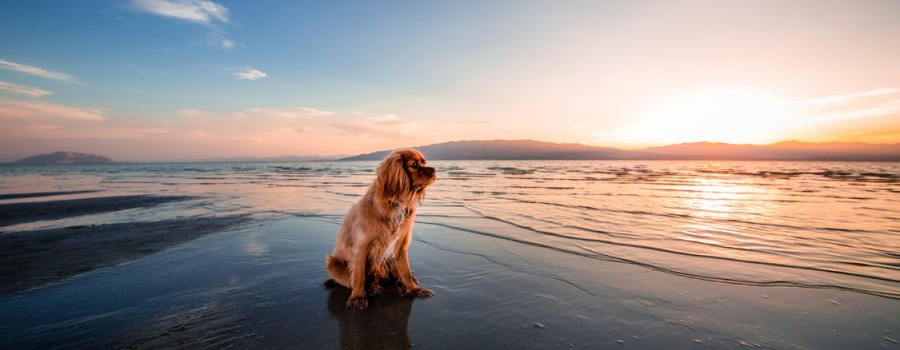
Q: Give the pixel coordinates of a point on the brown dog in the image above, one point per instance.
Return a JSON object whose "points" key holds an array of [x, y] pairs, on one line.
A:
{"points": [[376, 233]]}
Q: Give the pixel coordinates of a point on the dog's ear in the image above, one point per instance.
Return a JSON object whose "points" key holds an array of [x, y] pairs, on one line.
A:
{"points": [[391, 178]]}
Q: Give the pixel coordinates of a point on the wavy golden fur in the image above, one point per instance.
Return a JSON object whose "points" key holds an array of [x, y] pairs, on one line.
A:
{"points": [[375, 235]]}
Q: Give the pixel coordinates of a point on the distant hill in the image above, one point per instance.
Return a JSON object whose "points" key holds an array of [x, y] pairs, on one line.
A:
{"points": [[536, 150], [64, 158], [513, 150]]}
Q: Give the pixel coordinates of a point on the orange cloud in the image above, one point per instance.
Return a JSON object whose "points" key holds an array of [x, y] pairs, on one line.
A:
{"points": [[14, 109], [23, 90]]}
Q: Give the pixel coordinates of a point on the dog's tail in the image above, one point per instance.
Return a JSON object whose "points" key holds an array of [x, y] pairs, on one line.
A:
{"points": [[338, 270]]}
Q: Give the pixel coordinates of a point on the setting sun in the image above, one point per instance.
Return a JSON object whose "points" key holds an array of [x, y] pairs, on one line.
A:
{"points": [[719, 114]]}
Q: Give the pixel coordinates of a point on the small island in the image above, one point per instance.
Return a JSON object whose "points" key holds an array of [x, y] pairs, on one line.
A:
{"points": [[64, 158]]}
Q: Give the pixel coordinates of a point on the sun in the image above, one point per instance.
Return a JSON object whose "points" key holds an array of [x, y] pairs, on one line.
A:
{"points": [[721, 114]]}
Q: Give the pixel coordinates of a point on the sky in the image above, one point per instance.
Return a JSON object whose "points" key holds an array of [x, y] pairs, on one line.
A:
{"points": [[168, 80]]}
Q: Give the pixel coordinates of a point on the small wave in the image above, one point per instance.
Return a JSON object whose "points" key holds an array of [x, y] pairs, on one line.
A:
{"points": [[512, 170], [678, 252], [300, 169], [557, 188], [593, 254], [457, 175], [690, 216]]}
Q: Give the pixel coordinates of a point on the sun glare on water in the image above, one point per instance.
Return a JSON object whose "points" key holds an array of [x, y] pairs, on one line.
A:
{"points": [[732, 115]]}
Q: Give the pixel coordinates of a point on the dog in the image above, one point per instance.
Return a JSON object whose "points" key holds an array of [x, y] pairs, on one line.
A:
{"points": [[374, 237]]}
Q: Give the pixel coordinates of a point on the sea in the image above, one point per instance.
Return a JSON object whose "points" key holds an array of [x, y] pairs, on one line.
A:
{"points": [[821, 225]]}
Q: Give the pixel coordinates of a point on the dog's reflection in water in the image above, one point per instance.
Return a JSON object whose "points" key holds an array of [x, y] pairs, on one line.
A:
{"points": [[380, 326]]}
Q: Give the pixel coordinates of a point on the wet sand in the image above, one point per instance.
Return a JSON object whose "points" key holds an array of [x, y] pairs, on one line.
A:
{"points": [[259, 285], [17, 213], [34, 258]]}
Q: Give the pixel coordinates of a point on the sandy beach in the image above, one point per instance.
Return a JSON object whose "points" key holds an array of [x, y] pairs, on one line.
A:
{"points": [[241, 282]]}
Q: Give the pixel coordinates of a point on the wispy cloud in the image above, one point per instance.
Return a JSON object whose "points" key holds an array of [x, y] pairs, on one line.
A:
{"points": [[43, 73], [847, 98], [15, 109], [197, 11], [216, 37], [261, 113], [869, 103], [249, 74], [202, 12], [226, 43], [276, 128], [23, 90], [388, 126], [284, 113]]}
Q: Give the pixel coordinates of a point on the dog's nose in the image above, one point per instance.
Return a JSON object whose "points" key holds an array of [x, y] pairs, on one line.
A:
{"points": [[429, 171]]}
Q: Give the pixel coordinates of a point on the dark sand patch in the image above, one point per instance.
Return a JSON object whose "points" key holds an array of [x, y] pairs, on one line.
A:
{"points": [[18, 213], [34, 258], [44, 194]]}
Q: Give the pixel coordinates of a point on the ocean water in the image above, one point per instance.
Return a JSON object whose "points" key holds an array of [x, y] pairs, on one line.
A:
{"points": [[820, 225]]}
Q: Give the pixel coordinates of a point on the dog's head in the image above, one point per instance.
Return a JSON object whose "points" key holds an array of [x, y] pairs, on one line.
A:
{"points": [[403, 175]]}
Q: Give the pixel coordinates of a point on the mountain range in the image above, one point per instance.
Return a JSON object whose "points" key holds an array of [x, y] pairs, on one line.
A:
{"points": [[537, 150]]}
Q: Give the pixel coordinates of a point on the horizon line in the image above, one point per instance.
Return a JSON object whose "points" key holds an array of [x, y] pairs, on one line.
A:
{"points": [[647, 150]]}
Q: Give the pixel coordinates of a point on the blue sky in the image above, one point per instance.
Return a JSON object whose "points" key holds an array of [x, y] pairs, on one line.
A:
{"points": [[178, 79]]}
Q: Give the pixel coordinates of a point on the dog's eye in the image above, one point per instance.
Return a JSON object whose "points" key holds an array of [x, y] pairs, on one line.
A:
{"points": [[415, 165]]}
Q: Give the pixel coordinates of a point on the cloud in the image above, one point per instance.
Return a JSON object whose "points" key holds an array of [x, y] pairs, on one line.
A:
{"points": [[262, 113], [870, 103], [217, 38], [267, 128], [197, 11], [43, 73], [315, 112], [226, 44], [249, 74], [387, 126], [848, 98], [353, 130], [203, 12], [23, 90], [14, 109]]}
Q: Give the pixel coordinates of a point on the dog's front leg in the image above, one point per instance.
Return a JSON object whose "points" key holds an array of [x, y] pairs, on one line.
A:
{"points": [[377, 271], [357, 300], [410, 285]]}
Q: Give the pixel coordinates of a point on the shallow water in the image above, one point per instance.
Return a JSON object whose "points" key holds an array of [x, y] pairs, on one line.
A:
{"points": [[803, 224]]}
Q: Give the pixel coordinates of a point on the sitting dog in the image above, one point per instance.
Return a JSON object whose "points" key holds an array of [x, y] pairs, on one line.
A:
{"points": [[375, 235]]}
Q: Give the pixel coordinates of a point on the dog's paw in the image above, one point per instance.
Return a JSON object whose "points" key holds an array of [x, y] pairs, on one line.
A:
{"points": [[375, 289], [420, 292], [357, 303]]}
